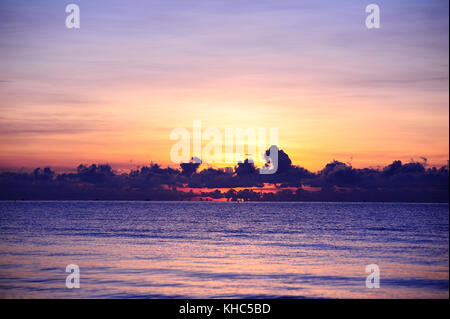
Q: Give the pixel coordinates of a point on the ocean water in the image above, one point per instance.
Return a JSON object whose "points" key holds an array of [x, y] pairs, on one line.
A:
{"points": [[223, 250]]}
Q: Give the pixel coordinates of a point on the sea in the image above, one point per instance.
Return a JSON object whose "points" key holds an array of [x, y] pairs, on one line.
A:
{"points": [[138, 249]]}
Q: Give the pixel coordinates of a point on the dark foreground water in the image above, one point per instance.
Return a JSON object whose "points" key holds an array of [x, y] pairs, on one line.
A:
{"points": [[229, 250]]}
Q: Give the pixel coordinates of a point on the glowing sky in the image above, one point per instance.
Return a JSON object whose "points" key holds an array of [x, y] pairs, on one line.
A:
{"points": [[113, 90]]}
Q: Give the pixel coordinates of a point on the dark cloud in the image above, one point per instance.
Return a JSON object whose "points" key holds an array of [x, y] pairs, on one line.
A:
{"points": [[190, 168], [245, 168], [337, 181]]}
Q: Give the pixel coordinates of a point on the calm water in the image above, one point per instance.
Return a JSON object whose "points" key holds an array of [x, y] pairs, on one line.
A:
{"points": [[229, 250]]}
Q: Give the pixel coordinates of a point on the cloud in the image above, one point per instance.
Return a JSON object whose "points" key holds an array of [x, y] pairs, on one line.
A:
{"points": [[337, 181]]}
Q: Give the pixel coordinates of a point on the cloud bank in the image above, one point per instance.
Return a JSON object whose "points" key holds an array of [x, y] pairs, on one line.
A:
{"points": [[337, 181]]}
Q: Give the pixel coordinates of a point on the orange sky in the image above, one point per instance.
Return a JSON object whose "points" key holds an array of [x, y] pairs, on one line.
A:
{"points": [[112, 92]]}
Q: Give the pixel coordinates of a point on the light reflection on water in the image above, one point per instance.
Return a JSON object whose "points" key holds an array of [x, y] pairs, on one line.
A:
{"points": [[229, 250]]}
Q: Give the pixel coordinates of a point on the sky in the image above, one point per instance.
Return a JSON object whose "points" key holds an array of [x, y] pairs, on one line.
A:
{"points": [[114, 89]]}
